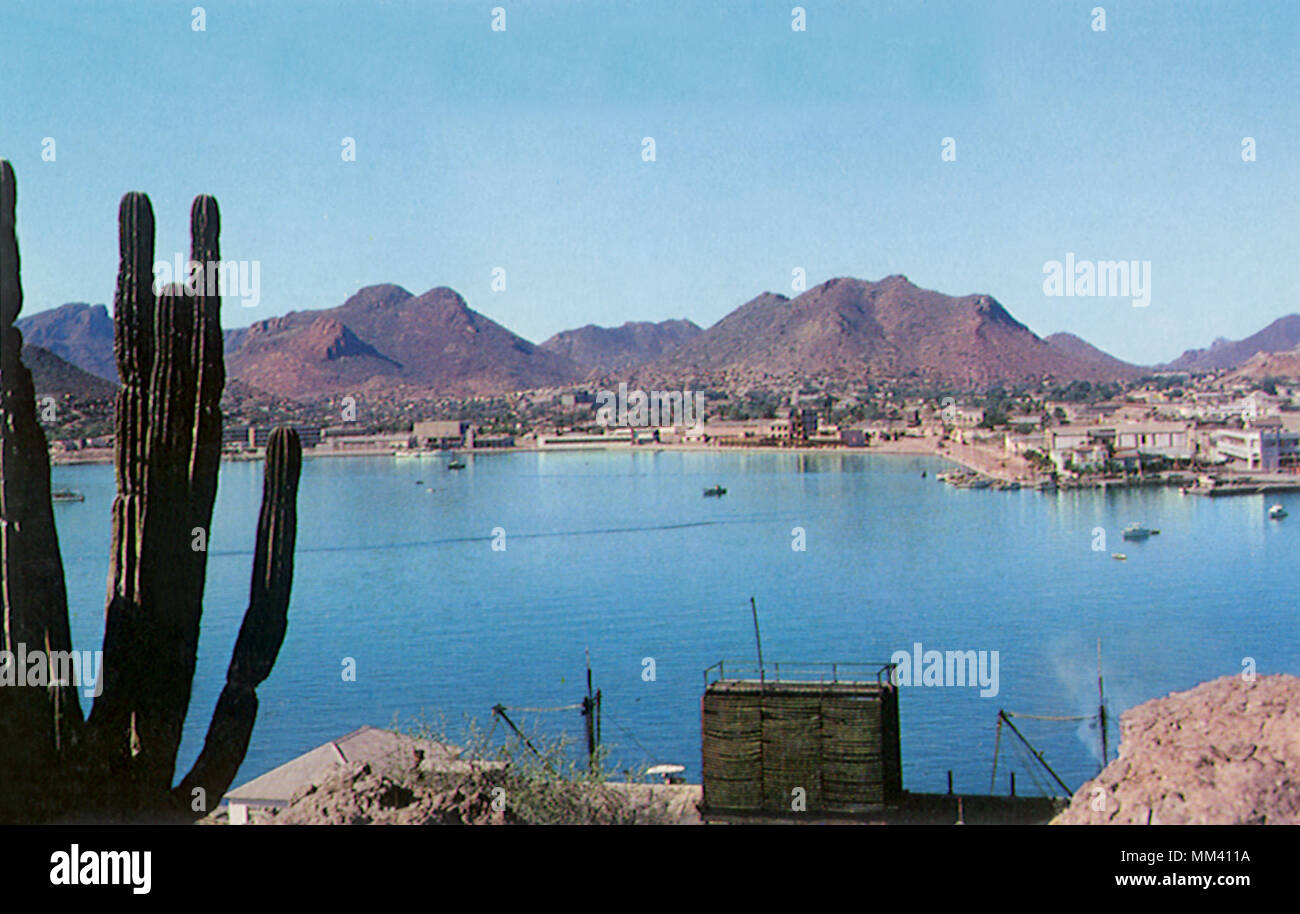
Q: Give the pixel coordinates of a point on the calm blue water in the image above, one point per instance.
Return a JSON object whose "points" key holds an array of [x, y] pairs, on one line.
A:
{"points": [[620, 553]]}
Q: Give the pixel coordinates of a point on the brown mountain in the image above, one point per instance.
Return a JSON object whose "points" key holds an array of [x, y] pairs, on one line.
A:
{"points": [[1282, 334], [78, 333], [1079, 348], [601, 350], [53, 376], [384, 338], [890, 328], [1285, 364]]}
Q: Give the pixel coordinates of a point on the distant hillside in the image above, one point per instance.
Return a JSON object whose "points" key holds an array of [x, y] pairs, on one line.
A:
{"points": [[383, 338], [1079, 348], [601, 350], [53, 376], [1282, 334], [1261, 365], [890, 328], [78, 333]]}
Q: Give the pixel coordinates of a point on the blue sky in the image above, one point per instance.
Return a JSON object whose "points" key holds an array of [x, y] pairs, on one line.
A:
{"points": [[775, 149]]}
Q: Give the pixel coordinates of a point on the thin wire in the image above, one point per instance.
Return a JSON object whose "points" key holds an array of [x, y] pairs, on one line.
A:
{"points": [[1044, 717], [538, 710], [648, 754]]}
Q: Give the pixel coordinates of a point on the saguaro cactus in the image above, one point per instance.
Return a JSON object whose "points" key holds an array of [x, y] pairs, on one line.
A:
{"points": [[121, 761]]}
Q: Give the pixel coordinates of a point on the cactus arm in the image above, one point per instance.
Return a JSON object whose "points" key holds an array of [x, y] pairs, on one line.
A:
{"points": [[261, 633]]}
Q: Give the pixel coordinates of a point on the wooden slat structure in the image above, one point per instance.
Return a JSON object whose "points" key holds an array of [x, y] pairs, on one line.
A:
{"points": [[766, 733]]}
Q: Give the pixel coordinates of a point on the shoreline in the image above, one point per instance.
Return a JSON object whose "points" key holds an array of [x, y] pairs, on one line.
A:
{"points": [[997, 466]]}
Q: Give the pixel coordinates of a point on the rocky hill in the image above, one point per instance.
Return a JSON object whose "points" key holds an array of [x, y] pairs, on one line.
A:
{"points": [[890, 328], [602, 350], [1224, 753], [78, 333], [53, 376], [385, 339], [1285, 364], [1080, 349], [1282, 334]]}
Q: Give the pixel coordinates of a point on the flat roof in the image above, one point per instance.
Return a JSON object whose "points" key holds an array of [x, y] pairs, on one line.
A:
{"points": [[805, 687]]}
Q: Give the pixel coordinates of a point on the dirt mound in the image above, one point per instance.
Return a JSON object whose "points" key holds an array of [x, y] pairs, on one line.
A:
{"points": [[414, 787], [402, 789], [1224, 753]]}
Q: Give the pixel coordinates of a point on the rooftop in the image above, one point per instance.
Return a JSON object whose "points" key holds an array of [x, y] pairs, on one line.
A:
{"points": [[367, 744]]}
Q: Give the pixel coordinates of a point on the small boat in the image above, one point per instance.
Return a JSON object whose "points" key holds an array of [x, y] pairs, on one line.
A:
{"points": [[1136, 531], [1119, 556], [923, 474], [66, 495], [1277, 512], [715, 492], [456, 463]]}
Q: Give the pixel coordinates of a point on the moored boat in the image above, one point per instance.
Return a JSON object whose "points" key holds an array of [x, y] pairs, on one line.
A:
{"points": [[1136, 531]]}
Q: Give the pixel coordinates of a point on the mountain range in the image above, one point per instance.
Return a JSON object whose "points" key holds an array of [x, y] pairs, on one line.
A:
{"points": [[52, 375], [891, 328], [78, 333], [386, 341], [1282, 334], [602, 350]]}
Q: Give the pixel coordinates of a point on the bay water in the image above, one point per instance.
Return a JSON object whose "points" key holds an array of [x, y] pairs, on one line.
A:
{"points": [[619, 553]]}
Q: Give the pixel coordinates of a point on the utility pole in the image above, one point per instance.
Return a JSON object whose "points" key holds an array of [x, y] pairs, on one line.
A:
{"points": [[1101, 709], [591, 716]]}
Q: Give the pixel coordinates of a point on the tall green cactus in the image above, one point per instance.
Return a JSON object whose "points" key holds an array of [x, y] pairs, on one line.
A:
{"points": [[168, 347]]}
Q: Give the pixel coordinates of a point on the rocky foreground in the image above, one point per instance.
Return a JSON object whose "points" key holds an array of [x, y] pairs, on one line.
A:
{"points": [[415, 787], [1224, 753]]}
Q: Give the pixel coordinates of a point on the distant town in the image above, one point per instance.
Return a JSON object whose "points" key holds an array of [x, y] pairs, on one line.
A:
{"points": [[1199, 429]]}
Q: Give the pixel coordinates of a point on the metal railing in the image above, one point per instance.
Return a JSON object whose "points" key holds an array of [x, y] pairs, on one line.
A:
{"points": [[798, 671]]}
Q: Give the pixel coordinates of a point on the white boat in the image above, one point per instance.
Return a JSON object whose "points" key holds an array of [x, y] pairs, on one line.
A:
{"points": [[1277, 512]]}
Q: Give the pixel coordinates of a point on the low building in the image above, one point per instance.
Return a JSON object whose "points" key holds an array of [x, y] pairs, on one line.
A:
{"points": [[614, 437], [1087, 456], [1171, 440], [255, 437], [750, 431], [443, 433], [1264, 445], [963, 416]]}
